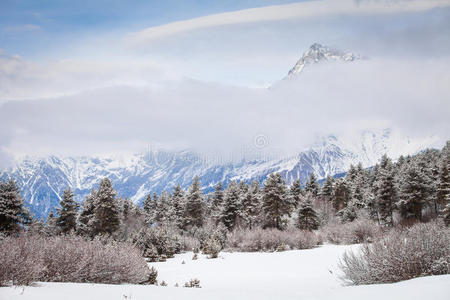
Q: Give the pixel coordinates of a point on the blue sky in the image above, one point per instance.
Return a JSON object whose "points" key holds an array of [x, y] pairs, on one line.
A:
{"points": [[31, 26]]}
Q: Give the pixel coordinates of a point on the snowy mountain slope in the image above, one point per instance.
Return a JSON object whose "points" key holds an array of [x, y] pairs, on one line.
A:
{"points": [[42, 180], [318, 54]]}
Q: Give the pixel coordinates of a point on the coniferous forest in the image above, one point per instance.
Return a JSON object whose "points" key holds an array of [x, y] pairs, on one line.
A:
{"points": [[406, 198]]}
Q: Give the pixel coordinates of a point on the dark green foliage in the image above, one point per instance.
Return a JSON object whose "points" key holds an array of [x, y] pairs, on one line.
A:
{"points": [[231, 206], [307, 216], [106, 219], [412, 194], [312, 186], [194, 205], [12, 212], [276, 204], [67, 214]]}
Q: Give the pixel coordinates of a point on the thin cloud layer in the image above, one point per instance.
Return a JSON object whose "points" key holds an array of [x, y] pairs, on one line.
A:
{"points": [[215, 118], [309, 9]]}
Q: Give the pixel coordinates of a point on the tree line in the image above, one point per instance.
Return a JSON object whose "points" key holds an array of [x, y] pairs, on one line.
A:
{"points": [[414, 188]]}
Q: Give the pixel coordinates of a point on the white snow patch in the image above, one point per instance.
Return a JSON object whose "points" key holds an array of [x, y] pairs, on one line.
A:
{"points": [[299, 274]]}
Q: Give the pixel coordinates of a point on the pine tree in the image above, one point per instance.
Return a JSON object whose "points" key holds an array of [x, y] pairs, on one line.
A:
{"points": [[251, 205], [178, 205], [412, 194], [327, 190], [341, 194], [86, 216], [149, 207], [164, 211], [232, 205], [386, 194], [312, 186], [276, 205], [307, 216], [12, 212], [51, 228], [67, 214], [217, 203], [443, 186], [106, 210], [295, 193], [194, 205]]}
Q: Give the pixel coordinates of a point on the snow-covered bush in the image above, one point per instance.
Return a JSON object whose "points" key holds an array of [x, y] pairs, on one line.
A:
{"points": [[271, 240], [423, 249], [193, 283], [165, 240], [358, 231], [69, 258], [153, 275], [212, 247]]}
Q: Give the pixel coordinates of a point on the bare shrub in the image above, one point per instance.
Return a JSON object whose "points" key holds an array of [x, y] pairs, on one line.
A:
{"points": [[271, 240], [423, 249], [69, 258], [163, 240], [358, 231]]}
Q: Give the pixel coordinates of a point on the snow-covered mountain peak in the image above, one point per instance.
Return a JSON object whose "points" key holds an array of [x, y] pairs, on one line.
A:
{"points": [[318, 53]]}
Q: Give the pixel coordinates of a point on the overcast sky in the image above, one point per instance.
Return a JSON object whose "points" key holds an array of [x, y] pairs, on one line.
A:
{"points": [[83, 77]]}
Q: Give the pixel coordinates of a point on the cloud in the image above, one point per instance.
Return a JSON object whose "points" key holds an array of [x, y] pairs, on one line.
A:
{"points": [[21, 28], [214, 118], [308, 9], [22, 79]]}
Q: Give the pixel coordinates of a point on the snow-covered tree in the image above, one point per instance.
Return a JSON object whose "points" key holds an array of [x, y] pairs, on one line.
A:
{"points": [[251, 205], [67, 213], [178, 205], [231, 206], [312, 186], [12, 212], [164, 213], [295, 192], [341, 194], [217, 202], [194, 205], [412, 194], [86, 216], [443, 186], [386, 194], [51, 228], [276, 204], [307, 216], [327, 190], [106, 210]]}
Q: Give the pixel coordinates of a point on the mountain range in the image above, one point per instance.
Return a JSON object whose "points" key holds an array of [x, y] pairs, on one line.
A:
{"points": [[42, 179]]}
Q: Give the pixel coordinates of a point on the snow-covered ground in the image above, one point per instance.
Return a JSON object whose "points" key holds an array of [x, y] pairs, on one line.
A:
{"points": [[299, 274]]}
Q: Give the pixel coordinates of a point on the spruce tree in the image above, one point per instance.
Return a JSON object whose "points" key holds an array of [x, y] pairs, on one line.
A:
{"points": [[341, 194], [307, 216], [51, 228], [327, 190], [217, 203], [86, 216], [106, 210], [443, 186], [67, 214], [295, 192], [12, 212], [178, 205], [251, 205], [312, 186], [164, 213], [194, 205], [386, 195], [232, 205], [412, 194], [276, 205]]}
